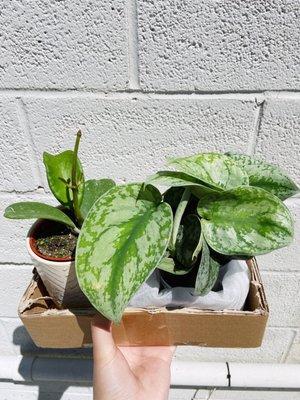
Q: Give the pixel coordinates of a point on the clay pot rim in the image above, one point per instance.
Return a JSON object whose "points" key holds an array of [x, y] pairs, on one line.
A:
{"points": [[32, 243]]}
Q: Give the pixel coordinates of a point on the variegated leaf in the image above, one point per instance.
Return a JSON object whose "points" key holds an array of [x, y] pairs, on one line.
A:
{"points": [[59, 173], [245, 220], [122, 240], [215, 170], [93, 189], [180, 179], [207, 273], [267, 176], [187, 245], [168, 264]]}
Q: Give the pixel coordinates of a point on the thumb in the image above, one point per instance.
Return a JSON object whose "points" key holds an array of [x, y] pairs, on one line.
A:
{"points": [[104, 348]]}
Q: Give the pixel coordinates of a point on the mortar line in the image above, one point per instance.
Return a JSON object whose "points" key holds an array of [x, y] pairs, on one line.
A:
{"points": [[277, 272], [137, 93], [133, 49], [286, 353], [16, 264], [257, 125], [24, 125]]}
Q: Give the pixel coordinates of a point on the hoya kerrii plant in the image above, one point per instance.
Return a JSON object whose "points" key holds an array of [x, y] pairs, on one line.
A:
{"points": [[218, 207], [75, 194]]}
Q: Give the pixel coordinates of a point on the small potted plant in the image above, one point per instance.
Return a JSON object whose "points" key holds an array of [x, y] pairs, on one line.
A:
{"points": [[51, 241]]}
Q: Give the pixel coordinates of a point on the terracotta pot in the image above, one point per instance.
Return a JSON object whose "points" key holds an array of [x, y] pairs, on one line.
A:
{"points": [[57, 274]]}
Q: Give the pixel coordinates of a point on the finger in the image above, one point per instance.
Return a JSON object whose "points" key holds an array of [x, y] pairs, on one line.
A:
{"points": [[104, 348]]}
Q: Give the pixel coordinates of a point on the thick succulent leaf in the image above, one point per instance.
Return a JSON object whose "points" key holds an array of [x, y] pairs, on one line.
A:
{"points": [[187, 245], [245, 220], [167, 264], [267, 176], [93, 189], [59, 171], [121, 242], [179, 179], [207, 273], [213, 169], [35, 210]]}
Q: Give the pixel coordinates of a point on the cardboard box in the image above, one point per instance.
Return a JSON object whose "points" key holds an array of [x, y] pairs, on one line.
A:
{"points": [[53, 328]]}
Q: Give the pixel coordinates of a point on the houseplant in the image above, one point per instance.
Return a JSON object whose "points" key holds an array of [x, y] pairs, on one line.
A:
{"points": [[52, 239], [219, 206]]}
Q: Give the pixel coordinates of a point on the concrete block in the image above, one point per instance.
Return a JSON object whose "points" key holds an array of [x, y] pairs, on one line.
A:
{"points": [[275, 345], [218, 45], [16, 340], [278, 139], [184, 394], [13, 232], [288, 258], [293, 356], [64, 45], [16, 173], [16, 280], [44, 391], [283, 296], [254, 395], [129, 139]]}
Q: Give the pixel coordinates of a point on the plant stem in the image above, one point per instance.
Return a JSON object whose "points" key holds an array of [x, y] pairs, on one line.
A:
{"points": [[74, 183], [178, 215]]}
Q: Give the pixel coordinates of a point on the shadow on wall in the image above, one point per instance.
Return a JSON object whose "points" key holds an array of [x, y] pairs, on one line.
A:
{"points": [[46, 390]]}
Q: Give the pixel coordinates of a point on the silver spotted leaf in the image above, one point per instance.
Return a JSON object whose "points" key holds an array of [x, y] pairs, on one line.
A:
{"points": [[93, 189], [267, 176], [245, 220], [168, 264], [180, 179], [207, 273], [215, 170], [121, 242], [59, 174], [187, 246]]}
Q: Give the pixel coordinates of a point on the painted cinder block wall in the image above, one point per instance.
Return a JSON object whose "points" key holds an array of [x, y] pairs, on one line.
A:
{"points": [[144, 80]]}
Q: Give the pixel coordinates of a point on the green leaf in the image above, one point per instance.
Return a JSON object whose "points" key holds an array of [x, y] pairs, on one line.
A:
{"points": [[180, 179], [215, 170], [59, 173], [150, 193], [121, 242], [93, 189], [267, 176], [207, 273], [167, 264], [35, 210], [245, 220], [188, 244]]}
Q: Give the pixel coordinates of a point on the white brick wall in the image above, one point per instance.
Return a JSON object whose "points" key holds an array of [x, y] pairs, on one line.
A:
{"points": [[145, 80]]}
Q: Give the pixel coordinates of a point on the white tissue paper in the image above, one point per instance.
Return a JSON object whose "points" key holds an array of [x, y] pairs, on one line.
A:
{"points": [[230, 291]]}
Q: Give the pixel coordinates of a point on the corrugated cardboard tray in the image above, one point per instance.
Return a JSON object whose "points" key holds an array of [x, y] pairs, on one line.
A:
{"points": [[54, 328]]}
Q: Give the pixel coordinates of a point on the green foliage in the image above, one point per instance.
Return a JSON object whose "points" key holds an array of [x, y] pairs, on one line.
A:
{"points": [[213, 170], [121, 241], [218, 207], [207, 273], [59, 176], [93, 189], [245, 220], [35, 210], [266, 176], [188, 244]]}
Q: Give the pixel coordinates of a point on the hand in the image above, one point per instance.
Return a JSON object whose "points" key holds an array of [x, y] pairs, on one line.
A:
{"points": [[128, 373]]}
